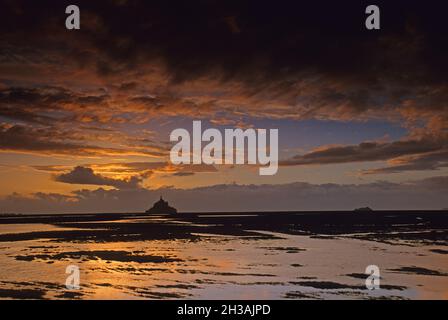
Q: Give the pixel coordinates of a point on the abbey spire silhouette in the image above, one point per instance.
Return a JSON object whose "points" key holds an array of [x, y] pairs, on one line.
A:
{"points": [[161, 207]]}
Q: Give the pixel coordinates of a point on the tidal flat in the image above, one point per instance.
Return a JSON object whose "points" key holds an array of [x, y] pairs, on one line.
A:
{"points": [[275, 255]]}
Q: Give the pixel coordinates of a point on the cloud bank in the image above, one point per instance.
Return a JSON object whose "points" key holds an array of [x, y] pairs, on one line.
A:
{"points": [[413, 195]]}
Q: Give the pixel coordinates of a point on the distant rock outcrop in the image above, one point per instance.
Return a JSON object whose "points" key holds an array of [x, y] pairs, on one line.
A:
{"points": [[161, 207], [363, 209]]}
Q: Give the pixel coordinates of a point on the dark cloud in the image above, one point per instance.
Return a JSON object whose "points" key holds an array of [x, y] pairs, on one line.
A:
{"points": [[43, 140], [35, 104], [125, 86], [431, 161], [56, 141], [269, 48], [134, 168], [366, 151], [183, 174], [82, 175]]}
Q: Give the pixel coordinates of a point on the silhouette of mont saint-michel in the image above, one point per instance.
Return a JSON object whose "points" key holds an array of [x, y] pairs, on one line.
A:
{"points": [[161, 207]]}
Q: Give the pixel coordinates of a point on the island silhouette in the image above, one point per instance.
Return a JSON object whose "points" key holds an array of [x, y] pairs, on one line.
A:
{"points": [[161, 207]]}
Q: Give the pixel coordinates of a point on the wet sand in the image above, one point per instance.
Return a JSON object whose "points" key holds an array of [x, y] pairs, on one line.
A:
{"points": [[288, 255]]}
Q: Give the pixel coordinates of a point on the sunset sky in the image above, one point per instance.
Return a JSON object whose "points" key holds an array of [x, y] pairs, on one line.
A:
{"points": [[85, 115]]}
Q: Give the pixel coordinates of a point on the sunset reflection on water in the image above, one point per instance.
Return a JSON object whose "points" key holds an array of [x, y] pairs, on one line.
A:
{"points": [[218, 267]]}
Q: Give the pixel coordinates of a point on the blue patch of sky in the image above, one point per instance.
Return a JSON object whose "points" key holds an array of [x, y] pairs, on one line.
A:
{"points": [[304, 134]]}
